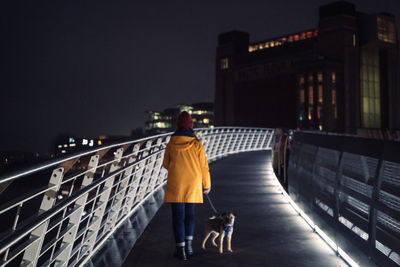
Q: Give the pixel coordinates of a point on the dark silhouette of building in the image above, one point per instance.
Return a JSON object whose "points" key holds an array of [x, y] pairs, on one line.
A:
{"points": [[341, 76]]}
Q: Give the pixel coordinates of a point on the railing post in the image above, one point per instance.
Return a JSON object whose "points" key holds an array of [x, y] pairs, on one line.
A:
{"points": [[76, 215], [259, 133], [336, 190], [105, 195], [131, 191], [372, 211], [31, 254], [271, 135]]}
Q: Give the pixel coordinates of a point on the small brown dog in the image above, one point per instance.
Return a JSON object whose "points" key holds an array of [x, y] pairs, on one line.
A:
{"points": [[219, 226]]}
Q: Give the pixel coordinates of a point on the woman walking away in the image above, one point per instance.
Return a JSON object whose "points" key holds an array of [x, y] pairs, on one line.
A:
{"points": [[188, 177]]}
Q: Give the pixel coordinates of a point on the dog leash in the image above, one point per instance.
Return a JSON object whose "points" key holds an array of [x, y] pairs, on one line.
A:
{"points": [[212, 206]]}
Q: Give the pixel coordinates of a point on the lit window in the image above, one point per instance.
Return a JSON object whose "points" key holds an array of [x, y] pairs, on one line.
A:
{"points": [[65, 145], [320, 77], [224, 63], [303, 36], [296, 37], [334, 103], [301, 80], [320, 94], [310, 95], [309, 34], [63, 151], [99, 142], [72, 145], [386, 30], [301, 96], [333, 77], [310, 101], [370, 89], [91, 142], [59, 146], [206, 121], [85, 142]]}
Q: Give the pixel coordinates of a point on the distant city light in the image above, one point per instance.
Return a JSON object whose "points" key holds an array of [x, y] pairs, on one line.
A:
{"points": [[85, 142], [99, 142], [91, 142], [72, 140], [206, 121]]}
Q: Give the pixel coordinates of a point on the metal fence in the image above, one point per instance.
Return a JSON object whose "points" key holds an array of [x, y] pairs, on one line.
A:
{"points": [[60, 213], [352, 186]]}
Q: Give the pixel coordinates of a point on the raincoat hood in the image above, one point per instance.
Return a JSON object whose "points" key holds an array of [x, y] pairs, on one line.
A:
{"points": [[182, 143]]}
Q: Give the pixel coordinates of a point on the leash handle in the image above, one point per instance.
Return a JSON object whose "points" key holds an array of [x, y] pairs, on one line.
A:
{"points": [[212, 206]]}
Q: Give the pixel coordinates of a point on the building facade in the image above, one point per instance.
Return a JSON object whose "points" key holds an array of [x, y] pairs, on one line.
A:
{"points": [[340, 76], [165, 121]]}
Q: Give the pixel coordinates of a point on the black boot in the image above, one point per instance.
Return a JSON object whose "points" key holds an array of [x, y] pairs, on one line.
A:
{"points": [[180, 253], [188, 248]]}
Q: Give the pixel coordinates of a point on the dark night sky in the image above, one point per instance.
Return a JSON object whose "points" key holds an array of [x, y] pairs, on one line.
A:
{"points": [[90, 68]]}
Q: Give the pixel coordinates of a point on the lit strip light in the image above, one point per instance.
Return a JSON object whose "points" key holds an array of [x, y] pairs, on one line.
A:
{"points": [[316, 229]]}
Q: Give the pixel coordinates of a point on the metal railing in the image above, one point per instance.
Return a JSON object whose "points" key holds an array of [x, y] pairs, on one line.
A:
{"points": [[353, 185], [60, 213]]}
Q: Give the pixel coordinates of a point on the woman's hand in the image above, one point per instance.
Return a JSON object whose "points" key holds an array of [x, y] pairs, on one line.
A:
{"points": [[206, 191]]}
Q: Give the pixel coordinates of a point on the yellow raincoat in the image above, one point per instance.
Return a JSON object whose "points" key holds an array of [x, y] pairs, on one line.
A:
{"points": [[188, 173]]}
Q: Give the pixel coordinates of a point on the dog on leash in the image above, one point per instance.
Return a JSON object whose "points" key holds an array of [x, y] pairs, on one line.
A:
{"points": [[219, 226]]}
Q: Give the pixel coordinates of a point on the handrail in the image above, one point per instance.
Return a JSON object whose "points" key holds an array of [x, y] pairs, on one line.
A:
{"points": [[91, 193]]}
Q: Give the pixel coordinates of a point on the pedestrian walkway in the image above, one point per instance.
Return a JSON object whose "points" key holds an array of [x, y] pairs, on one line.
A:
{"points": [[267, 232]]}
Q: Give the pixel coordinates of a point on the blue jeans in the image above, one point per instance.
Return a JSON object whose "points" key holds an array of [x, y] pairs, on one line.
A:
{"points": [[183, 222]]}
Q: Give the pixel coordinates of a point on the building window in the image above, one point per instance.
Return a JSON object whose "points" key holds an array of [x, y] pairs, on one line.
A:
{"points": [[320, 77], [224, 63], [320, 93], [310, 101], [333, 77], [334, 103], [386, 30], [301, 96], [310, 78], [301, 80], [370, 89], [320, 100]]}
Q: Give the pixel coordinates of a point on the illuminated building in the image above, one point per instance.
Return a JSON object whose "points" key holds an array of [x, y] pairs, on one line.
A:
{"points": [[66, 145], [163, 122], [340, 76]]}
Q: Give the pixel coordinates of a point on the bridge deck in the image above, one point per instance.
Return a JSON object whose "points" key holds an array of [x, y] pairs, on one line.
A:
{"points": [[267, 231]]}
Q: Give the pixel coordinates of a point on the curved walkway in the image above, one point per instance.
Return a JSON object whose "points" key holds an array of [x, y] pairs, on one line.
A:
{"points": [[267, 231]]}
